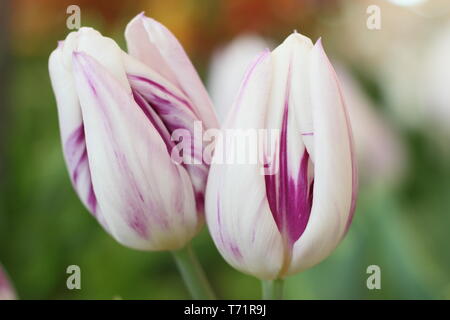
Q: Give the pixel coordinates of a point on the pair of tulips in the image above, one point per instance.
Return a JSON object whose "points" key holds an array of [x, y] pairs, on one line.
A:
{"points": [[118, 112]]}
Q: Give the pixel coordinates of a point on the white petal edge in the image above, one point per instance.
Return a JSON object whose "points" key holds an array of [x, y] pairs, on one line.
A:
{"points": [[334, 167]]}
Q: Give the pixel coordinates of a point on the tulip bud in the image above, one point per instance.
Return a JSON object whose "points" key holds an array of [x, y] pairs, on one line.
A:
{"points": [[116, 118], [7, 292], [276, 224]]}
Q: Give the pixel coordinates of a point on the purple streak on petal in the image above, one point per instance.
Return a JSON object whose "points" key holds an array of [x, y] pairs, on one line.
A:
{"points": [[174, 113], [263, 55], [253, 65], [290, 198], [154, 119], [91, 199], [299, 206], [162, 89], [225, 239], [77, 162], [308, 134], [136, 208]]}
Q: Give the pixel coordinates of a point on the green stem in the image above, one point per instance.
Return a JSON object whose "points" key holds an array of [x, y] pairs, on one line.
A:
{"points": [[272, 289], [192, 273]]}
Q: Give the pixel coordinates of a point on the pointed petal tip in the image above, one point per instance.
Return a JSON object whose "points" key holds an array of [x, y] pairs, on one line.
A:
{"points": [[140, 16], [318, 46], [140, 20], [297, 39], [319, 42]]}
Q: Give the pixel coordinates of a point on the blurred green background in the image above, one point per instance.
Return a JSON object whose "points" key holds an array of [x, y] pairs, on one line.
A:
{"points": [[402, 222]]}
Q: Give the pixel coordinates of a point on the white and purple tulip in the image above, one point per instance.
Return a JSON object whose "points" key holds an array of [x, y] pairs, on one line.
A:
{"points": [[272, 226], [117, 112], [7, 291]]}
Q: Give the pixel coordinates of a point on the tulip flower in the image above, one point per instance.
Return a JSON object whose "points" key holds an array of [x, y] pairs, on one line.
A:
{"points": [[117, 112], [379, 149], [7, 292], [277, 223]]}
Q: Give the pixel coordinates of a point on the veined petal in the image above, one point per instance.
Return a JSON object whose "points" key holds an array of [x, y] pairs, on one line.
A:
{"points": [[335, 179], [175, 111], [102, 48], [106, 50], [149, 199], [72, 130], [237, 210], [289, 191], [153, 44]]}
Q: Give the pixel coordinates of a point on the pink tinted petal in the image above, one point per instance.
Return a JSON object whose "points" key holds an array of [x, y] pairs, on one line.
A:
{"points": [[72, 130], [152, 43], [176, 113], [148, 199]]}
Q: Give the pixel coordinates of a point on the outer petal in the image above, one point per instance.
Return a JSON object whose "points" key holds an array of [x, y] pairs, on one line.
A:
{"points": [[335, 180], [148, 199], [7, 292], [152, 43], [237, 210], [72, 130], [69, 111]]}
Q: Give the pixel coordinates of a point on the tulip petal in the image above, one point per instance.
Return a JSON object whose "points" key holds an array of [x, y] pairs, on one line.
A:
{"points": [[152, 43], [72, 130], [237, 210], [289, 191], [176, 112], [149, 199], [335, 179], [106, 50]]}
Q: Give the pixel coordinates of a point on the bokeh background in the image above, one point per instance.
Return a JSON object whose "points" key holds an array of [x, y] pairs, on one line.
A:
{"points": [[396, 81]]}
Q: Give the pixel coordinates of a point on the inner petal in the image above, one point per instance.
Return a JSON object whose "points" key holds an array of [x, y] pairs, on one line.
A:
{"points": [[290, 190], [290, 195], [170, 111]]}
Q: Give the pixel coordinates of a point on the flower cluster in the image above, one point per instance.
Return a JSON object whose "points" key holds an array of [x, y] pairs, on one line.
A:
{"points": [[121, 114]]}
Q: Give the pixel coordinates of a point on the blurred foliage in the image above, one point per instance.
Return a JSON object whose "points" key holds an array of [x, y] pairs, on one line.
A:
{"points": [[44, 228]]}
